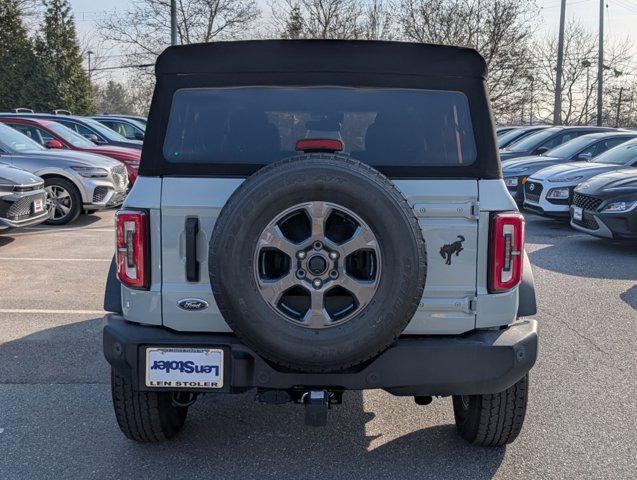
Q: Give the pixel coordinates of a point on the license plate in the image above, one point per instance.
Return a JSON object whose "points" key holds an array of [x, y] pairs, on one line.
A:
{"points": [[38, 206], [577, 213], [184, 367]]}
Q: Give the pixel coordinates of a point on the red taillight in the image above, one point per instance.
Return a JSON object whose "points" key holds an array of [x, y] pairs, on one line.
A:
{"points": [[319, 145], [132, 174], [506, 251], [132, 248]]}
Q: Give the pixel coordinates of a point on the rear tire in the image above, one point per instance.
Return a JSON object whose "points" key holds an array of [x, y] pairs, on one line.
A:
{"points": [[492, 420], [148, 417], [70, 200]]}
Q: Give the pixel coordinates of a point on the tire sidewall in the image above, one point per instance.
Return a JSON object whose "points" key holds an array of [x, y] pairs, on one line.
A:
{"points": [[76, 198], [232, 269]]}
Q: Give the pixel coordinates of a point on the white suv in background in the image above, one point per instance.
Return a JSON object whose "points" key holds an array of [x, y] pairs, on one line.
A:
{"points": [[549, 192]]}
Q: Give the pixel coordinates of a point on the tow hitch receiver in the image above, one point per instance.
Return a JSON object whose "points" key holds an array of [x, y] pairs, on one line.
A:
{"points": [[317, 402]]}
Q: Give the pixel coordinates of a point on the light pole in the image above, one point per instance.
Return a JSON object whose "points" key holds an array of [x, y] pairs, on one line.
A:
{"points": [[600, 65], [173, 22], [587, 64], [531, 78], [89, 53], [557, 107]]}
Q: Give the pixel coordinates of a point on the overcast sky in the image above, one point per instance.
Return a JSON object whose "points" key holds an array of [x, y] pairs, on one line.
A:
{"points": [[621, 15]]}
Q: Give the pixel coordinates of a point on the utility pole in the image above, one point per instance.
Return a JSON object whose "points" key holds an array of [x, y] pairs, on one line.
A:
{"points": [[89, 53], [619, 105], [173, 22], [557, 107], [532, 78], [600, 65], [587, 64]]}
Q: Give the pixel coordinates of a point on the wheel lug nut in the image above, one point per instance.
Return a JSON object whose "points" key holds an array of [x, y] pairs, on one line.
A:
{"points": [[300, 273], [333, 255], [317, 283], [333, 274], [318, 245], [300, 255]]}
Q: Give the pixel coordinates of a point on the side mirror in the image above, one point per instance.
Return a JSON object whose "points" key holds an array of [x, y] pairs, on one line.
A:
{"points": [[585, 157], [139, 135], [93, 138], [54, 144], [541, 150]]}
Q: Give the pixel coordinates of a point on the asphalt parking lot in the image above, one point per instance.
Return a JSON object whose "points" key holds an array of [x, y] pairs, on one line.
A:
{"points": [[56, 419]]}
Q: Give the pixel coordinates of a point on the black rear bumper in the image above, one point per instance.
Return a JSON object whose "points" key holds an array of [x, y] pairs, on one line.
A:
{"points": [[487, 361]]}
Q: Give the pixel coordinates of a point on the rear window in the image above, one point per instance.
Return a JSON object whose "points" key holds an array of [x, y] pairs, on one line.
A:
{"points": [[260, 125]]}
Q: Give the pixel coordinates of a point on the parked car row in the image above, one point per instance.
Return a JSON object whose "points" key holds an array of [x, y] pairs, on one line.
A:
{"points": [[55, 167], [588, 176]]}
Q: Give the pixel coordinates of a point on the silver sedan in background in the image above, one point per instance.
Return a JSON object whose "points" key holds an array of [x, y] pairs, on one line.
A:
{"points": [[75, 181]]}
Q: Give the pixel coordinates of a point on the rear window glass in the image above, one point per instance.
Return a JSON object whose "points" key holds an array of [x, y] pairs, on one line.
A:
{"points": [[260, 125]]}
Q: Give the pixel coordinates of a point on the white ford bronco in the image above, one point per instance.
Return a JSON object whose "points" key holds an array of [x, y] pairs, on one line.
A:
{"points": [[313, 217]]}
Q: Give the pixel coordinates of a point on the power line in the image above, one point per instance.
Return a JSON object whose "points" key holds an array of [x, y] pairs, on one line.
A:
{"points": [[141, 65], [626, 6]]}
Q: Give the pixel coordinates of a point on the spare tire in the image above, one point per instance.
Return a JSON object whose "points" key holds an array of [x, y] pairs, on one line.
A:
{"points": [[317, 262]]}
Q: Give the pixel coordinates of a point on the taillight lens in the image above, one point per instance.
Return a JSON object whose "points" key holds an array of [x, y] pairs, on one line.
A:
{"points": [[308, 145], [132, 248], [506, 251]]}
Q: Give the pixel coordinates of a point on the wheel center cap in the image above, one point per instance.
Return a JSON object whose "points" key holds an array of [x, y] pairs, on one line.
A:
{"points": [[317, 265]]}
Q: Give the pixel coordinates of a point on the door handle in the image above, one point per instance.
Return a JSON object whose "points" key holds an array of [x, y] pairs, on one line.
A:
{"points": [[192, 265]]}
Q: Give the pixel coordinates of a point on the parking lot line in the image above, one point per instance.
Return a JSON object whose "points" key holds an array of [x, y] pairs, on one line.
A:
{"points": [[51, 312], [47, 231], [29, 259], [68, 229]]}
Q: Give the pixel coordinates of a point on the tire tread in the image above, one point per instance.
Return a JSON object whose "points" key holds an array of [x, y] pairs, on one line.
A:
{"points": [[141, 416], [495, 419]]}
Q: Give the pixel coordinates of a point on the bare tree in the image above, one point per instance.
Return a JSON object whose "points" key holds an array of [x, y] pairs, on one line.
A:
{"points": [[100, 55], [378, 23], [321, 18], [579, 80], [331, 19], [621, 102], [501, 30], [142, 32], [144, 29]]}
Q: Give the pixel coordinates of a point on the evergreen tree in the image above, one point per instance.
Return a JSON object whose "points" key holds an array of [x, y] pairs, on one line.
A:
{"points": [[67, 84], [113, 98], [17, 60], [293, 28]]}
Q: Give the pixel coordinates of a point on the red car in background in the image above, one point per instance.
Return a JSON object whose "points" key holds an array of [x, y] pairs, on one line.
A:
{"points": [[51, 134]]}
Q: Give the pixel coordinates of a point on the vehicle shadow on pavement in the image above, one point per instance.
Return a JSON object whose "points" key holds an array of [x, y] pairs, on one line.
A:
{"points": [[70, 353], [281, 446], [630, 297], [60, 373], [6, 238], [85, 220], [572, 256]]}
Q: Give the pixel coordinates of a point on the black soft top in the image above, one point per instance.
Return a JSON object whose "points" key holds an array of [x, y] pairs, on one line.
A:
{"points": [[322, 56], [348, 63]]}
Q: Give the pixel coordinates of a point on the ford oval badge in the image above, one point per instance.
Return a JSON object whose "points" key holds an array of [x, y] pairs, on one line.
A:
{"points": [[192, 304]]}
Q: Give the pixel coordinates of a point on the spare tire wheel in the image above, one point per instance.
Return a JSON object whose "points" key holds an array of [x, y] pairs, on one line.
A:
{"points": [[317, 262]]}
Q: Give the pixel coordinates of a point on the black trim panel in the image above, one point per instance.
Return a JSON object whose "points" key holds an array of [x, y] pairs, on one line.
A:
{"points": [[113, 290], [482, 361], [527, 305]]}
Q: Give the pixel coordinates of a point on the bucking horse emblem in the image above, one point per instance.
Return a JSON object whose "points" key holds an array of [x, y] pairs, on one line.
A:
{"points": [[447, 251]]}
